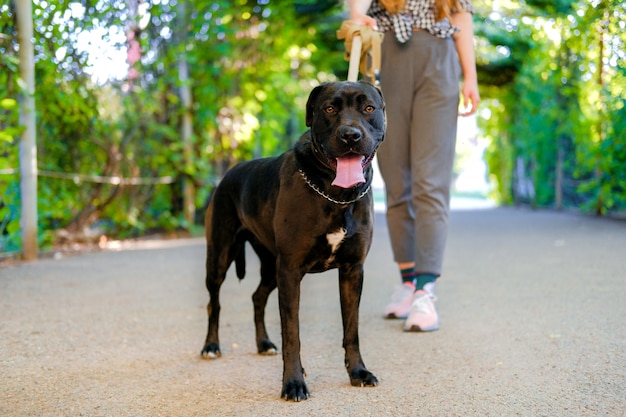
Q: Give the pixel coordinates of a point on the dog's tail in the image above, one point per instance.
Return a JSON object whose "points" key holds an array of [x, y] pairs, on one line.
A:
{"points": [[240, 261], [240, 255]]}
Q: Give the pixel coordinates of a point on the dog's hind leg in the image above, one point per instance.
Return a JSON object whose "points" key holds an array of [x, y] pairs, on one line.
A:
{"points": [[259, 299], [214, 280], [223, 245]]}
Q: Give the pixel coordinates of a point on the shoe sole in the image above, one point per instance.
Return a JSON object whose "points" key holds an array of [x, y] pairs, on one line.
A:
{"points": [[419, 329], [393, 316]]}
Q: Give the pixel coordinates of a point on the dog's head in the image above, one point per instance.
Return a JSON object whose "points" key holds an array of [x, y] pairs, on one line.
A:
{"points": [[347, 123]]}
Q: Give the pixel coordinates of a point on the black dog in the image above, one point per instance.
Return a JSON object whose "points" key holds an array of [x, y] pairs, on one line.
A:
{"points": [[308, 210]]}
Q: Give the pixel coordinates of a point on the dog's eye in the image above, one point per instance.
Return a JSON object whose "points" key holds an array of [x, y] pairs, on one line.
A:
{"points": [[369, 109], [329, 110]]}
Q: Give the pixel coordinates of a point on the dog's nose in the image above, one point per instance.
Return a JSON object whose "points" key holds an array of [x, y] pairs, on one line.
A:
{"points": [[350, 134]]}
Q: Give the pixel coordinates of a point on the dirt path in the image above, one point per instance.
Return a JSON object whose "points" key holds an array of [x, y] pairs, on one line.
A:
{"points": [[533, 308]]}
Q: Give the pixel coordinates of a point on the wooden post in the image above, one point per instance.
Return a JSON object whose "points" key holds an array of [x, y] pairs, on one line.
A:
{"points": [[189, 192], [28, 143], [558, 183]]}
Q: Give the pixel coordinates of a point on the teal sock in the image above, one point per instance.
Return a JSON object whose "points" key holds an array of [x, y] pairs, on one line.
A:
{"points": [[408, 275], [423, 278]]}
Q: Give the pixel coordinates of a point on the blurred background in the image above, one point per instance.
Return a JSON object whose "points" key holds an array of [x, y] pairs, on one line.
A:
{"points": [[141, 106]]}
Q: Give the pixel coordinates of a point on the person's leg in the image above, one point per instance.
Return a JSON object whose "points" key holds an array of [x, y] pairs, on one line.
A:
{"points": [[395, 167], [394, 153], [433, 139]]}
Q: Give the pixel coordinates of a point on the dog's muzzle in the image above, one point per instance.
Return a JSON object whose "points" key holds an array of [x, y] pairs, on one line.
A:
{"points": [[350, 159]]}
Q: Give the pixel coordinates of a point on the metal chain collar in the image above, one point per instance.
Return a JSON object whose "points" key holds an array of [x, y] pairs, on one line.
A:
{"points": [[327, 197]]}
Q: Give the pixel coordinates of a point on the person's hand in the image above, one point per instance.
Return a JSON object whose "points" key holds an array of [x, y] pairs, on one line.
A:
{"points": [[470, 98], [363, 19]]}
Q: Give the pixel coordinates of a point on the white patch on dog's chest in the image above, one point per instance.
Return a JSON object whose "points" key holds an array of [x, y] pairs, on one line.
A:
{"points": [[335, 239]]}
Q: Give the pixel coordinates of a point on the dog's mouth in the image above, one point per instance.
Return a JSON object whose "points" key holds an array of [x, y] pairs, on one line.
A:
{"points": [[349, 169]]}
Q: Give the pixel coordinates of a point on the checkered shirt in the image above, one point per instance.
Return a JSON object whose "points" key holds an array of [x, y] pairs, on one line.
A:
{"points": [[416, 14]]}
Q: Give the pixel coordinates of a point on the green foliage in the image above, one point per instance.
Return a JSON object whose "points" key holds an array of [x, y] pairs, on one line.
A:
{"points": [[9, 132], [552, 7], [251, 65], [561, 135], [111, 154]]}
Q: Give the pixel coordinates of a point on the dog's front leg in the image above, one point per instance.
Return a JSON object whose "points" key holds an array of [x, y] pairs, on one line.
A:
{"points": [[294, 387], [350, 286]]}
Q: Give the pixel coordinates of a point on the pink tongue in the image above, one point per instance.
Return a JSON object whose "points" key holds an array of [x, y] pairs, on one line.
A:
{"points": [[349, 171]]}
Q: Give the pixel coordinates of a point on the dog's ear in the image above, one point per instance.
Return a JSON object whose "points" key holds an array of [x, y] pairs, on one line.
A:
{"points": [[375, 87], [310, 104]]}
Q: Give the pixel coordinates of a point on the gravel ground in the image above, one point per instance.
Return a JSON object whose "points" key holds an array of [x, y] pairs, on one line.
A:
{"points": [[532, 303]]}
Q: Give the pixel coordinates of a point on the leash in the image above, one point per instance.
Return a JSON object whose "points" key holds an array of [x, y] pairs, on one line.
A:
{"points": [[363, 45]]}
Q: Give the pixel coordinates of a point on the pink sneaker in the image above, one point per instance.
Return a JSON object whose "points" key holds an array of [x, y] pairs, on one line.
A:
{"points": [[422, 316], [400, 304]]}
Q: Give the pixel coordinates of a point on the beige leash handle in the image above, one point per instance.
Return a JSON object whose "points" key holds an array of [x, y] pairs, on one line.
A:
{"points": [[355, 58]]}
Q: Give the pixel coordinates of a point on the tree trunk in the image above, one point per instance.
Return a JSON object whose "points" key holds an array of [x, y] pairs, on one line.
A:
{"points": [[28, 144], [189, 206]]}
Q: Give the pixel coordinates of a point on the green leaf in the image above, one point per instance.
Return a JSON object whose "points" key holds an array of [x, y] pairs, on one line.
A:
{"points": [[4, 137], [8, 103]]}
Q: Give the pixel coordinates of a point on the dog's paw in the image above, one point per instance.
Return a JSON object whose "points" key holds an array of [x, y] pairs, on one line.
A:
{"points": [[361, 377], [295, 390], [211, 351], [267, 348]]}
